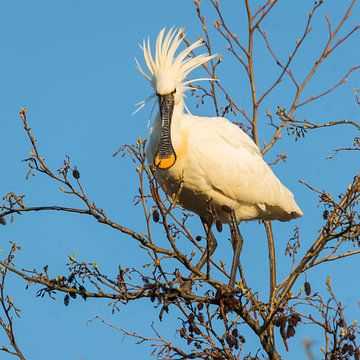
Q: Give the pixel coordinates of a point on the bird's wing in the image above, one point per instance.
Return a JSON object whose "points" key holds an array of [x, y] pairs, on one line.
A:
{"points": [[231, 134], [232, 164]]}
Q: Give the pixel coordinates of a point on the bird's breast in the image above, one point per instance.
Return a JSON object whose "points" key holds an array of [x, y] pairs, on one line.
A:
{"points": [[180, 139], [179, 180]]}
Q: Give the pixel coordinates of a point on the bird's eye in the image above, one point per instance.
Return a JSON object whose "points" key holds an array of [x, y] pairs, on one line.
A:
{"points": [[174, 92]]}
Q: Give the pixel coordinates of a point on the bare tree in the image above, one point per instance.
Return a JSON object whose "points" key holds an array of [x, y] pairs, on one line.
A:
{"points": [[212, 315]]}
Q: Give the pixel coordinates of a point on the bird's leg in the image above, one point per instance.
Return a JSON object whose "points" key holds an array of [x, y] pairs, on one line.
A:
{"points": [[237, 243], [211, 245]]}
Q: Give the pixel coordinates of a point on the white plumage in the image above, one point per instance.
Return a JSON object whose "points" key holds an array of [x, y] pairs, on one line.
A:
{"points": [[206, 163]]}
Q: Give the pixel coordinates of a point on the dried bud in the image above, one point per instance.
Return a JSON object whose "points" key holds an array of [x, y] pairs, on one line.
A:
{"points": [[242, 339], [182, 332], [280, 321], [307, 288], [218, 226], [73, 295], [229, 340], [226, 208], [200, 306], [351, 350], [155, 215], [2, 220], [76, 173], [197, 330], [66, 300], [325, 214], [201, 318]]}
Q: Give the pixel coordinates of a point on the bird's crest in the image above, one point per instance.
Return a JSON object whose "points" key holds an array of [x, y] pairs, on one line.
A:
{"points": [[166, 71]]}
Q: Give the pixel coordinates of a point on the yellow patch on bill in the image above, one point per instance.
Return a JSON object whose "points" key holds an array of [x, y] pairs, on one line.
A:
{"points": [[164, 162]]}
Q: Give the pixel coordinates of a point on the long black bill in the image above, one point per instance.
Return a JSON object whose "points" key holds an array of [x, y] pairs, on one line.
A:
{"points": [[165, 156]]}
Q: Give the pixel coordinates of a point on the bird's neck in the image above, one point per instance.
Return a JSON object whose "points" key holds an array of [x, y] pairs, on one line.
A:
{"points": [[178, 111]]}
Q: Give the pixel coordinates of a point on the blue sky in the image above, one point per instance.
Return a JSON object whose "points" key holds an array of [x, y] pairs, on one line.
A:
{"points": [[71, 64]]}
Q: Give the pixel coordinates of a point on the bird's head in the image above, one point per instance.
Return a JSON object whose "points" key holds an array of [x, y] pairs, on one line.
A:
{"points": [[167, 73], [169, 68]]}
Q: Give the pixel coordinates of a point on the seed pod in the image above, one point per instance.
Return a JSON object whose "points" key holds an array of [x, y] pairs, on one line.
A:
{"points": [[66, 300], [236, 343], [2, 220], [307, 288], [82, 292], [294, 319], [71, 277], [73, 295], [76, 173], [290, 331], [283, 332], [155, 215]]}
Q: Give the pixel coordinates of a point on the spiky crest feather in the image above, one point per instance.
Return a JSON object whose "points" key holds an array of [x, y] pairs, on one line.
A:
{"points": [[167, 72]]}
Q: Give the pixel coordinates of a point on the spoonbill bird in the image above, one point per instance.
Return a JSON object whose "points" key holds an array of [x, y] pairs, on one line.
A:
{"points": [[208, 163]]}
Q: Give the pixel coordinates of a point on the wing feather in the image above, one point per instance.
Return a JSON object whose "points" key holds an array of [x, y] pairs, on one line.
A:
{"points": [[231, 163]]}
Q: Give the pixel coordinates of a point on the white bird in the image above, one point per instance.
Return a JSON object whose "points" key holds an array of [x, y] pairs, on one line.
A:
{"points": [[206, 162]]}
